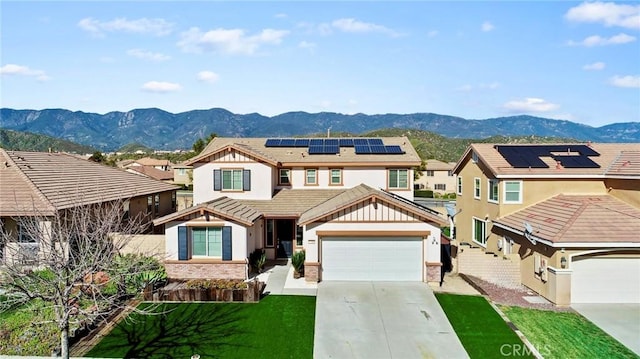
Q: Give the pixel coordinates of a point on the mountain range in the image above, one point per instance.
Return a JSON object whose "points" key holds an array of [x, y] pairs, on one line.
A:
{"points": [[159, 129]]}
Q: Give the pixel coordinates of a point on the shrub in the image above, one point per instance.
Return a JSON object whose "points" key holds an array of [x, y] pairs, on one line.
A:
{"points": [[257, 259], [424, 193], [297, 261]]}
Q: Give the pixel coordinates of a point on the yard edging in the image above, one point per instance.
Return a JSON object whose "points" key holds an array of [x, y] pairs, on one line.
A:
{"points": [[513, 327]]}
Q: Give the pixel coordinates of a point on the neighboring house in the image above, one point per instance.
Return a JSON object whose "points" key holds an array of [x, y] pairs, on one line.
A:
{"points": [[164, 165], [438, 176], [182, 174], [565, 217], [42, 184], [346, 202], [152, 172]]}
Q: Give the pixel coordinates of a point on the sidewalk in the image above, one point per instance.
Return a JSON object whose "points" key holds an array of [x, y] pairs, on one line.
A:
{"points": [[454, 284], [279, 279]]}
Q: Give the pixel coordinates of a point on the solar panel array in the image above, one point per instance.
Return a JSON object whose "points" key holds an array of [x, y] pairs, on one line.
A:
{"points": [[332, 145], [528, 156]]}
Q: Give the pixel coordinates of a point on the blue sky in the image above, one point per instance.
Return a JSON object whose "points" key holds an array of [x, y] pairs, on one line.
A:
{"points": [[578, 61]]}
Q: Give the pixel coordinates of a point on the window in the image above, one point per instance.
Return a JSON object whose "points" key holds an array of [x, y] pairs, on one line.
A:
{"points": [[149, 204], [429, 173], [232, 180], [126, 209], [182, 171], [493, 190], [440, 186], [476, 188], [474, 157], [480, 231], [450, 173], [270, 232], [512, 191], [24, 236], [207, 241], [285, 177], [311, 177], [299, 234], [174, 200], [336, 177], [156, 202], [459, 185], [398, 178]]}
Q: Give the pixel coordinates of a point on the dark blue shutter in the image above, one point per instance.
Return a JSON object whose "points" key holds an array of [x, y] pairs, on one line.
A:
{"points": [[226, 243], [183, 244], [217, 180], [246, 180]]}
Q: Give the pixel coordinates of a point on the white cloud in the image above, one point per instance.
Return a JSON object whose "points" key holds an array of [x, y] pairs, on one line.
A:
{"points": [[148, 55], [230, 41], [596, 66], [433, 33], [307, 45], [157, 27], [625, 81], [208, 76], [607, 13], [19, 70], [487, 26], [354, 26], [530, 104], [281, 16], [597, 40], [161, 87]]}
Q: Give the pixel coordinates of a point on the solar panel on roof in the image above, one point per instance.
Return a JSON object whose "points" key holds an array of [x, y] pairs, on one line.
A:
{"points": [[272, 142], [378, 149], [360, 141], [375, 142], [331, 149], [332, 142], [287, 142], [346, 142], [316, 142], [362, 149], [316, 150], [576, 162], [302, 142], [528, 156], [394, 149]]}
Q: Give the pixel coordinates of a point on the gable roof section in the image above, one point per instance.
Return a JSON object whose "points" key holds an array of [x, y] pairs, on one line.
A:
{"points": [[223, 207], [292, 156], [292, 202], [151, 172], [359, 194], [611, 157], [57, 181], [567, 220]]}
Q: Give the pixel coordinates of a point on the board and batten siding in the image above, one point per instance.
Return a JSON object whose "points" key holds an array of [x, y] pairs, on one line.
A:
{"points": [[373, 212]]}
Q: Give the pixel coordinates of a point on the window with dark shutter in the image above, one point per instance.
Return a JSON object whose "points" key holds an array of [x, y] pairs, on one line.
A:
{"points": [[183, 244], [217, 180], [226, 243], [246, 180]]}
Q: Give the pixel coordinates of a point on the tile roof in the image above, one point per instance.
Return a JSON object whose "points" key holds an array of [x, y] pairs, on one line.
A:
{"points": [[152, 172], [224, 207], [148, 161], [436, 165], [58, 181], [300, 155], [611, 159], [292, 202], [567, 219]]}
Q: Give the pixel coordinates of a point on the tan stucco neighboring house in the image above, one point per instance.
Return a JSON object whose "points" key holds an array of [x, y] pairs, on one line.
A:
{"points": [[564, 217], [350, 210], [164, 165], [152, 172], [438, 176], [38, 184], [182, 174]]}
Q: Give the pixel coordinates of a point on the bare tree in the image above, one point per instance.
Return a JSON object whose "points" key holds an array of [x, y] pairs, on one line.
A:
{"points": [[71, 262]]}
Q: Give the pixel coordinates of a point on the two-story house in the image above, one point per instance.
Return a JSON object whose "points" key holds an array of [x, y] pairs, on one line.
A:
{"points": [[40, 185], [348, 202], [437, 176], [566, 215]]}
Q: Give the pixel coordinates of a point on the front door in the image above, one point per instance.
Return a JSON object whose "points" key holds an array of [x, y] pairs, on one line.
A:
{"points": [[285, 234]]}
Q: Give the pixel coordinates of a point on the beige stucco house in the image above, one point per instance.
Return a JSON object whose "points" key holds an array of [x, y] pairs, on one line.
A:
{"points": [[438, 176], [348, 203], [38, 184], [564, 217]]}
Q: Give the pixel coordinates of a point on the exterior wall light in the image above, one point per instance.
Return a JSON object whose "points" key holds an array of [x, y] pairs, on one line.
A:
{"points": [[563, 262]]}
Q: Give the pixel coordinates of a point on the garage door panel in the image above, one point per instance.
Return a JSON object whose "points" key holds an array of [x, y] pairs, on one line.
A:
{"points": [[605, 280], [381, 259]]}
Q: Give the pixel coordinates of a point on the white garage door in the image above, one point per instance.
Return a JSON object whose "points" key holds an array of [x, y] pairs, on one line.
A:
{"points": [[375, 259], [605, 280]]}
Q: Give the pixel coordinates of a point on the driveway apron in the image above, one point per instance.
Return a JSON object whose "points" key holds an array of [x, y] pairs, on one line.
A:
{"points": [[621, 321], [382, 320]]}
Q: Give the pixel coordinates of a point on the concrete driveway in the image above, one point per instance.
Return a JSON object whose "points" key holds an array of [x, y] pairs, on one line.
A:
{"points": [[382, 320], [621, 321]]}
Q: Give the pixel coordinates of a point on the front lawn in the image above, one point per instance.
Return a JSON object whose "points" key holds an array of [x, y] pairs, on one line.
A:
{"points": [[565, 334], [28, 330], [482, 331], [276, 327]]}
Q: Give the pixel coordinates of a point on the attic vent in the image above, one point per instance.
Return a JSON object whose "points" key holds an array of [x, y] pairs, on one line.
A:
{"points": [[474, 157]]}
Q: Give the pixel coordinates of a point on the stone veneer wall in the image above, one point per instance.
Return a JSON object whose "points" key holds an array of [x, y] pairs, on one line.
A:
{"points": [[433, 271], [312, 272], [203, 270]]}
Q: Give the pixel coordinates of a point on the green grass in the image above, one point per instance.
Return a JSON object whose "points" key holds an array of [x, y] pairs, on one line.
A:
{"points": [[276, 327], [483, 333], [565, 334], [28, 330]]}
